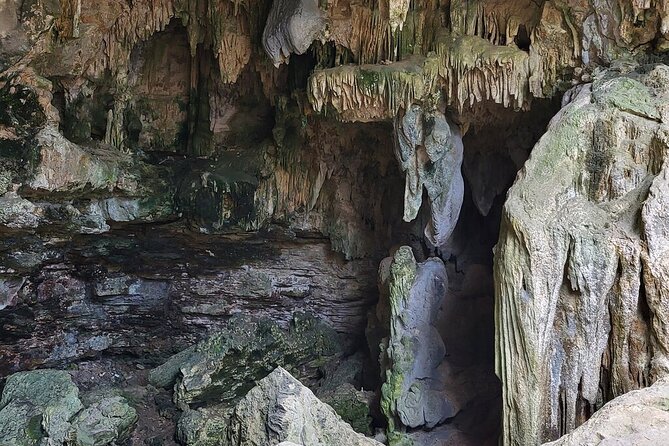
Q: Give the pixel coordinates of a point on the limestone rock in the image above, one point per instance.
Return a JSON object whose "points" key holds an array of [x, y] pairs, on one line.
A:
{"points": [[430, 152], [579, 275], [17, 212], [639, 417], [206, 426], [281, 409], [291, 27], [37, 405], [412, 393], [341, 388], [103, 422], [222, 367]]}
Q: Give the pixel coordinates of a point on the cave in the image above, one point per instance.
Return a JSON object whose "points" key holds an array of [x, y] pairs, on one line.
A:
{"points": [[301, 223]]}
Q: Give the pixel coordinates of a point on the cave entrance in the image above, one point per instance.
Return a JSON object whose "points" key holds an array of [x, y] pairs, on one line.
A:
{"points": [[496, 146]]}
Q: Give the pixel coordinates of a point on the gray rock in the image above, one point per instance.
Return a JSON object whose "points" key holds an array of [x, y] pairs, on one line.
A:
{"points": [[291, 27], [36, 406], [637, 418], [281, 409], [17, 212], [223, 367], [103, 422], [580, 267], [430, 152], [412, 354]]}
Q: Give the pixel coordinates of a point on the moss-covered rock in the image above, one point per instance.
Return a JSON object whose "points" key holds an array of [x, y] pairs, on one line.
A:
{"points": [[224, 367], [37, 405], [103, 422]]}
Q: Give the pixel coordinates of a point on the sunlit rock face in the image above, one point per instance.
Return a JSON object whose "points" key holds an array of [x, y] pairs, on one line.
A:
{"points": [[579, 267]]}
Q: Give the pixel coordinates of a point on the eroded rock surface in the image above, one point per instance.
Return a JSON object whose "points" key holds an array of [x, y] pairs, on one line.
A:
{"points": [[413, 351], [429, 150], [43, 407], [580, 306], [280, 409], [223, 367], [639, 417]]}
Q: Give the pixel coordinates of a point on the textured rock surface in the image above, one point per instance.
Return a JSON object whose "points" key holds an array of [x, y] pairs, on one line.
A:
{"points": [[280, 409], [291, 27], [639, 417], [103, 422], [223, 367], [412, 390], [37, 407], [580, 306], [429, 150], [153, 294], [42, 407]]}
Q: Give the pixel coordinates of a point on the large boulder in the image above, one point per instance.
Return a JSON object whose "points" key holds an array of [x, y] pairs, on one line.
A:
{"points": [[37, 406], [281, 409], [638, 418], [223, 367], [42, 408], [103, 422], [581, 270]]}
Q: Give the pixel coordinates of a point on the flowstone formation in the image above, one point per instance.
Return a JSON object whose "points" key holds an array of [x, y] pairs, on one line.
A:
{"points": [[412, 394], [581, 265], [429, 150]]}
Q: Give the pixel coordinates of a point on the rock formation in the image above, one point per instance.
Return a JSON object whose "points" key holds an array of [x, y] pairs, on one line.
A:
{"points": [[281, 409], [638, 417], [43, 407], [192, 175], [580, 304]]}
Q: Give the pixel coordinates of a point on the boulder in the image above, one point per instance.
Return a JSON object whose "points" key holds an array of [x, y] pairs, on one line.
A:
{"points": [[638, 418], [103, 422], [37, 406], [223, 367], [281, 409]]}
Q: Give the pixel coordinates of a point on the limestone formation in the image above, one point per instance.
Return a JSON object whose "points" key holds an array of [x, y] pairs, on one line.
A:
{"points": [[37, 405], [291, 27], [412, 393], [429, 150], [180, 173], [579, 300], [639, 417], [281, 409], [42, 407], [104, 422]]}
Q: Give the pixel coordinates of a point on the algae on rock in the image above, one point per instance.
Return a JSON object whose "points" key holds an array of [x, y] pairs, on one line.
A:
{"points": [[576, 276], [223, 367]]}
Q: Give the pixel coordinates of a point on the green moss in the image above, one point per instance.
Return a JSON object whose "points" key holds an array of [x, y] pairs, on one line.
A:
{"points": [[368, 79]]}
